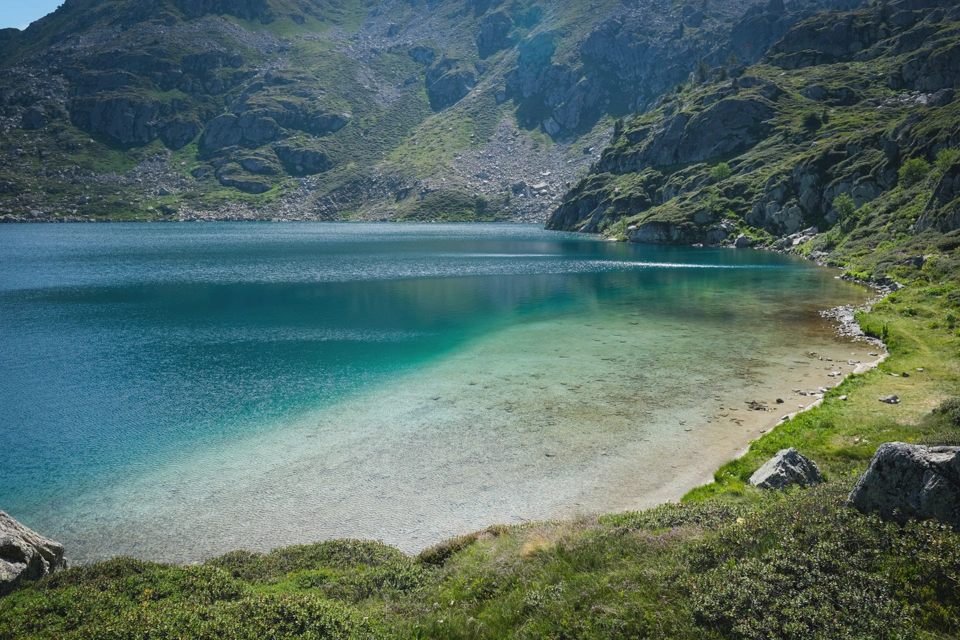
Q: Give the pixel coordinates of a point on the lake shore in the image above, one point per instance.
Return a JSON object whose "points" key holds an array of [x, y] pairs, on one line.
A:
{"points": [[530, 376]]}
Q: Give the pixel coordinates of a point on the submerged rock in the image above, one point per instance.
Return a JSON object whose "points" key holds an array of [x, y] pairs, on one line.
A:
{"points": [[911, 481], [788, 467], [25, 554]]}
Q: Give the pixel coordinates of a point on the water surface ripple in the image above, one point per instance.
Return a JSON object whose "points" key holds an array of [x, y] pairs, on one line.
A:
{"points": [[172, 392]]}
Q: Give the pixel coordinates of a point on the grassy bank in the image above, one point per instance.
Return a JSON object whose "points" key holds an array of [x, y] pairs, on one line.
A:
{"points": [[728, 562]]}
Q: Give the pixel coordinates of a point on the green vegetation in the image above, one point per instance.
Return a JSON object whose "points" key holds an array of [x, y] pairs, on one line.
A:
{"points": [[913, 171], [812, 121], [819, 132], [703, 71], [720, 172]]}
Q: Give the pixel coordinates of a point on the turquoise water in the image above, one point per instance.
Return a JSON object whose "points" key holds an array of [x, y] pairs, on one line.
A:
{"points": [[250, 385]]}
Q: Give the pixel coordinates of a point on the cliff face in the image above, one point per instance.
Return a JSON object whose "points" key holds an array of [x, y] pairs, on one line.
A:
{"points": [[314, 108], [859, 104]]}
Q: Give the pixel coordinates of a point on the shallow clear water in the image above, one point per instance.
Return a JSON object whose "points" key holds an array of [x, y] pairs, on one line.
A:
{"points": [[175, 391]]}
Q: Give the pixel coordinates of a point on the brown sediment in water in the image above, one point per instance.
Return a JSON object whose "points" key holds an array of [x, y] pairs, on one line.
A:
{"points": [[739, 416]]}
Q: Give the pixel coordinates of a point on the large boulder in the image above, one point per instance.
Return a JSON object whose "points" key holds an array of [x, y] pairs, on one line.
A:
{"points": [[33, 118], [450, 88], [826, 38], [127, 119], [223, 131], [786, 468], [299, 159], [25, 554], [907, 481], [180, 133], [494, 30], [730, 125]]}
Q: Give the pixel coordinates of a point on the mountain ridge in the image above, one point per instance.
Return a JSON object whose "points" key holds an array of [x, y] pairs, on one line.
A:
{"points": [[447, 109]]}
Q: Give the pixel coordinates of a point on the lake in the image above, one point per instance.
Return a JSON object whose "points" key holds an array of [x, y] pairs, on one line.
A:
{"points": [[175, 391]]}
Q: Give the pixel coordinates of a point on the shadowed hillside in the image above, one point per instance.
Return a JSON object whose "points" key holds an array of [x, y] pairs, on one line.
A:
{"points": [[323, 109]]}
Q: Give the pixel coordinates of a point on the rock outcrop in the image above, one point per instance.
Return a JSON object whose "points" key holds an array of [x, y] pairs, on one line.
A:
{"points": [[729, 125], [943, 210], [127, 119], [234, 175], [494, 31], [911, 481], [785, 160], [448, 82], [25, 554], [788, 467], [302, 160]]}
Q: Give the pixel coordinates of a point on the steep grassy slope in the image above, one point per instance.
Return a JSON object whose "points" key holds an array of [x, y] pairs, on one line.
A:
{"points": [[845, 137], [338, 108]]}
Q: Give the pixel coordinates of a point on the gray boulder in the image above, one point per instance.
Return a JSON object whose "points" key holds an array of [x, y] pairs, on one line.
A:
{"points": [[25, 554], [788, 467], [129, 120], [223, 131], [180, 133], [907, 481], [494, 30], [730, 125], [33, 118], [423, 55], [450, 88], [302, 160]]}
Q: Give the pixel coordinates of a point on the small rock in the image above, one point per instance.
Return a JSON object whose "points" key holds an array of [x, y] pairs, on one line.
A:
{"points": [[779, 400], [891, 399], [911, 481], [25, 554], [844, 398], [786, 468], [904, 375]]}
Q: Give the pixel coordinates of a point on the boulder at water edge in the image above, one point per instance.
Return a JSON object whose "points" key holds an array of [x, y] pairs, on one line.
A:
{"points": [[788, 467], [25, 554], [911, 481]]}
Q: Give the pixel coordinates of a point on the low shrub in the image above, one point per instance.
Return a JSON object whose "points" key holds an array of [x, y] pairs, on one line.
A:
{"points": [[913, 171], [720, 172], [950, 408], [814, 568]]}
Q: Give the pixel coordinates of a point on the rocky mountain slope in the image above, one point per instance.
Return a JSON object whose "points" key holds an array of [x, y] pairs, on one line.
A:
{"points": [[842, 141], [333, 109]]}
